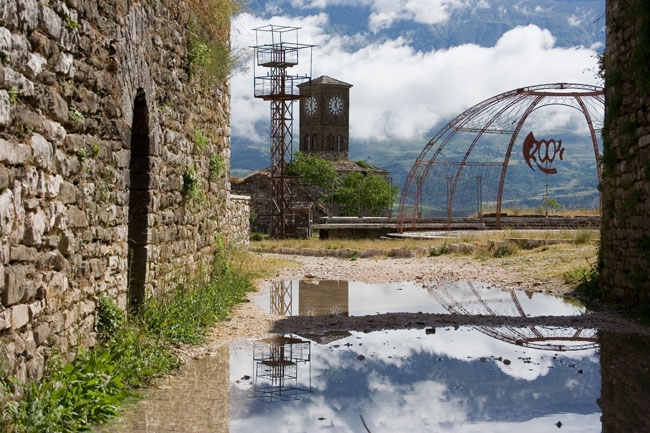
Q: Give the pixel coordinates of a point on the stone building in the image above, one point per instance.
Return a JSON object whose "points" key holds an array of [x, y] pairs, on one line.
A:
{"points": [[103, 132], [625, 235], [325, 118], [324, 131]]}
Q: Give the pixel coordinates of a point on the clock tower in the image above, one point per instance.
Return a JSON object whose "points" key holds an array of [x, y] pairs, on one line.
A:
{"points": [[325, 118]]}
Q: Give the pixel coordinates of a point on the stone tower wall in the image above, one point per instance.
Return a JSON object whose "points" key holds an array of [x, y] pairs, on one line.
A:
{"points": [[625, 240], [323, 127], [70, 75]]}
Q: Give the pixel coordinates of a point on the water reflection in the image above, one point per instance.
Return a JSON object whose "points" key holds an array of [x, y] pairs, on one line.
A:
{"points": [[277, 362], [625, 382], [334, 298], [453, 380], [538, 337]]}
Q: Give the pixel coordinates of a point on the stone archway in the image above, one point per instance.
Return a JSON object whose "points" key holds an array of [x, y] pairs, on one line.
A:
{"points": [[139, 201]]}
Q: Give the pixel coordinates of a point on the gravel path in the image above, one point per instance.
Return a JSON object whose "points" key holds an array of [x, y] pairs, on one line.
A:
{"points": [[250, 321]]}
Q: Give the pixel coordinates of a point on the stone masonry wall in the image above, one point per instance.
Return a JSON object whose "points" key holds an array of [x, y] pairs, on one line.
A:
{"points": [[98, 118], [625, 239], [238, 229]]}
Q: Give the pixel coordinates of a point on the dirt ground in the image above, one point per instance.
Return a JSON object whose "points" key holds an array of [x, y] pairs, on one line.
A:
{"points": [[249, 321]]}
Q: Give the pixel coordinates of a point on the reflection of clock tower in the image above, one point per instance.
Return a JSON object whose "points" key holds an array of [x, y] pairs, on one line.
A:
{"points": [[324, 118]]}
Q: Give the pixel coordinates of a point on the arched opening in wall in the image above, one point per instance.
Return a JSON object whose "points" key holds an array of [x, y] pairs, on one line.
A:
{"points": [[139, 202], [307, 146]]}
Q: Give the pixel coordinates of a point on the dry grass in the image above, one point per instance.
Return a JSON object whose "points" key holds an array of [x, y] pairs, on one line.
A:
{"points": [[542, 211], [480, 237], [359, 244], [552, 262], [258, 266]]}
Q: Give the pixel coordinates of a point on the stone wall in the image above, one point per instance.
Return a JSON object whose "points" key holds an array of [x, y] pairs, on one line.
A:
{"points": [[99, 115], [625, 379], [625, 240], [238, 229]]}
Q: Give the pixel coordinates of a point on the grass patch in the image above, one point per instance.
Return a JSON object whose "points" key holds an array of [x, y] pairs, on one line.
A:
{"points": [[130, 353], [507, 249], [435, 252]]}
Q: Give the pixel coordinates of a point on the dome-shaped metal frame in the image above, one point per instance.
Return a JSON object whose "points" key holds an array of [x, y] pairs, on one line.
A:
{"points": [[502, 114]]}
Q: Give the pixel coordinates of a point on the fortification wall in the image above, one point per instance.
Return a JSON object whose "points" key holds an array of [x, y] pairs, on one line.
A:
{"points": [[99, 115], [625, 240]]}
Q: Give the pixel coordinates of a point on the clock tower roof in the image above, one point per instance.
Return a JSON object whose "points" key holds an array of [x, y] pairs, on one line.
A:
{"points": [[325, 80]]}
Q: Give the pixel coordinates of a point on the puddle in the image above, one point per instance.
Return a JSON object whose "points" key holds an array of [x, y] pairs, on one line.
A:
{"points": [[443, 380], [349, 298], [407, 380]]}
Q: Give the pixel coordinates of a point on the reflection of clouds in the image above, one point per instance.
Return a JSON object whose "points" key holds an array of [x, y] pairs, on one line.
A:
{"points": [[466, 344], [424, 403], [395, 394]]}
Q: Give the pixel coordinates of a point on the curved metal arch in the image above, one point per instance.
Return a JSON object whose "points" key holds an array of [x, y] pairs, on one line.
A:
{"points": [[454, 125], [420, 170], [506, 159], [471, 148]]}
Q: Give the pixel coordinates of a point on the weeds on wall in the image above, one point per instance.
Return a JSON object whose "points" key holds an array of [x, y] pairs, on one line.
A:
{"points": [[130, 354], [192, 184], [215, 166], [75, 117], [209, 31], [201, 141]]}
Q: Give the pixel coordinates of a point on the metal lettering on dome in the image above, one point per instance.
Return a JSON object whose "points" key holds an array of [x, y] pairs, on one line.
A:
{"points": [[542, 153]]}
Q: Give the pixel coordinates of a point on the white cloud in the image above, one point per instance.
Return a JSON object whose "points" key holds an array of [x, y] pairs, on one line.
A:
{"points": [[386, 12], [400, 93], [574, 21]]}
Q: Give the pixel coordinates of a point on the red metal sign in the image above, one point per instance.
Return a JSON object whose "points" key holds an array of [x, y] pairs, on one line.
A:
{"points": [[542, 153]]}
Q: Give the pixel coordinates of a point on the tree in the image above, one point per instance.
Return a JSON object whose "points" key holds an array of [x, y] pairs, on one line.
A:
{"points": [[315, 170], [359, 194]]}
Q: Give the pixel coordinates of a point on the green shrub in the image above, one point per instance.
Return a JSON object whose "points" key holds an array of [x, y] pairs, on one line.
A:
{"points": [[192, 184], [584, 237], [75, 117], [504, 250], [110, 318], [256, 236], [185, 315], [209, 50], [200, 139], [72, 24], [364, 164], [216, 165], [13, 95], [435, 252]]}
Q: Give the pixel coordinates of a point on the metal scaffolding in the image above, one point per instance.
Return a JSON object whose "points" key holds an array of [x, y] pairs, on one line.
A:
{"points": [[277, 49], [276, 360]]}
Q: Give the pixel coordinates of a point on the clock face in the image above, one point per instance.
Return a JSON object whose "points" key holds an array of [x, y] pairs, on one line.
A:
{"points": [[311, 105], [335, 105]]}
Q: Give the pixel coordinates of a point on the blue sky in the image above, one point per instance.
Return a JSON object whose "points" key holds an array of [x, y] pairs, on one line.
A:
{"points": [[415, 64]]}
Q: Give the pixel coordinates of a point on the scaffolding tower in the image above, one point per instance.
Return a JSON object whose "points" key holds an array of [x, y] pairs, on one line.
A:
{"points": [[276, 361], [277, 48]]}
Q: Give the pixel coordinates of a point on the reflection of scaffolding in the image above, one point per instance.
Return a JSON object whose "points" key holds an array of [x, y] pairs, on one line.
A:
{"points": [[278, 53], [281, 295], [276, 362], [536, 337]]}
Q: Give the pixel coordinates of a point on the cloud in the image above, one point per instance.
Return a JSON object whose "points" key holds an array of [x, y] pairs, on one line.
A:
{"points": [[574, 21], [386, 12], [401, 93]]}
